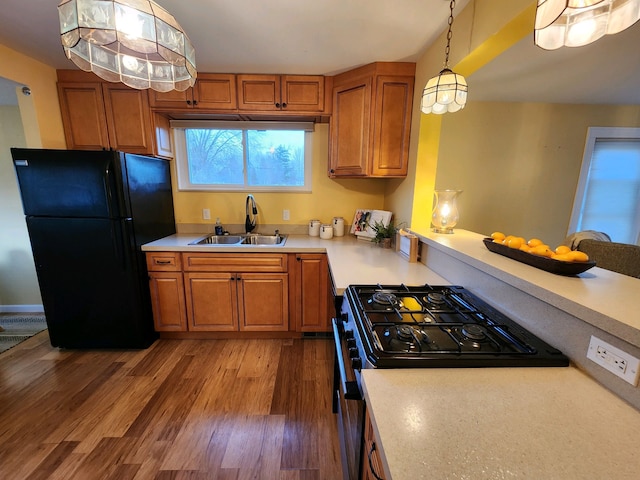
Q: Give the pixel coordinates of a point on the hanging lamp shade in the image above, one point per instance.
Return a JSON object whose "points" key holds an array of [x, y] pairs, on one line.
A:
{"points": [[136, 42], [574, 23], [446, 93]]}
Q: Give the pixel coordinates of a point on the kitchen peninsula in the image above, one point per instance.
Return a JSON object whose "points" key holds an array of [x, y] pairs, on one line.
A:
{"points": [[495, 422]]}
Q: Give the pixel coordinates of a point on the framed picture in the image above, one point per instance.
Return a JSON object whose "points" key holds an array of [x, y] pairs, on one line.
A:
{"points": [[363, 219]]}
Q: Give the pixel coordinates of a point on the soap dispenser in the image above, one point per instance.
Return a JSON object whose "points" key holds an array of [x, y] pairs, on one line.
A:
{"points": [[219, 230]]}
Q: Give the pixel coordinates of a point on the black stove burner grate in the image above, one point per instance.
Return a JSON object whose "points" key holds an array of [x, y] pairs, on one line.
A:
{"points": [[446, 324]]}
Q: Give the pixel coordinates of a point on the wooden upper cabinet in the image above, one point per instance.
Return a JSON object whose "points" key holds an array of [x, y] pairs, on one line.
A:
{"points": [[281, 93], [212, 91], [371, 123], [83, 115], [98, 115], [128, 119]]}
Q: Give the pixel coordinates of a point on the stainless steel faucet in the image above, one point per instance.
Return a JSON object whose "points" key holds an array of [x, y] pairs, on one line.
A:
{"points": [[251, 210]]}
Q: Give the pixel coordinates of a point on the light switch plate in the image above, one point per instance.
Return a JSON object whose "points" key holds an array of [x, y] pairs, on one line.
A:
{"points": [[615, 360]]}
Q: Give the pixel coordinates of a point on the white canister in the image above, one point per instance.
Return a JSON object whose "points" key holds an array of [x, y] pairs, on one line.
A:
{"points": [[326, 231], [314, 228], [338, 226]]}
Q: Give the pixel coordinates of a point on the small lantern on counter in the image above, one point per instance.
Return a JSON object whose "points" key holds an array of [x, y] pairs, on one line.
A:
{"points": [[445, 212]]}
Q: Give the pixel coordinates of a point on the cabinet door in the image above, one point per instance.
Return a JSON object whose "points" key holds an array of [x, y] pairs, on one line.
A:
{"points": [[215, 92], [263, 302], [211, 301], [302, 93], [83, 115], [391, 125], [259, 92], [172, 99], [128, 119], [164, 142], [313, 309], [349, 128], [168, 302], [371, 461]]}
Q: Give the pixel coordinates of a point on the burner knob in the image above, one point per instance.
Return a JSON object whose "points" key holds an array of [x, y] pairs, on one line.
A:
{"points": [[353, 352], [351, 343], [348, 334], [356, 363]]}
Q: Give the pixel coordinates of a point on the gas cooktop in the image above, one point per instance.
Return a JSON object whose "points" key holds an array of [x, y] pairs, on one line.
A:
{"points": [[440, 326]]}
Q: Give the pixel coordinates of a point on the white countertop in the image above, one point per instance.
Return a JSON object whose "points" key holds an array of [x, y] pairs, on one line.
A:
{"points": [[605, 299], [351, 261], [501, 423]]}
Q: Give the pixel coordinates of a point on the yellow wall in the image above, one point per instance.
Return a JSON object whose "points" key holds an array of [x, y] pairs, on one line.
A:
{"points": [[329, 198], [483, 30], [44, 94], [518, 163]]}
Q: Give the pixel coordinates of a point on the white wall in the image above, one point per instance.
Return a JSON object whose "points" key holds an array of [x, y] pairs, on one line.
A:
{"points": [[18, 282]]}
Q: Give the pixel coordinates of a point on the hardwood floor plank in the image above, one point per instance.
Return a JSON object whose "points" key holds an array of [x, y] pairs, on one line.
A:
{"points": [[57, 456]]}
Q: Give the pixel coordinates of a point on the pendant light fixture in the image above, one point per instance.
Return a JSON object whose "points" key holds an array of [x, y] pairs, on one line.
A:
{"points": [[574, 23], [448, 91], [136, 42]]}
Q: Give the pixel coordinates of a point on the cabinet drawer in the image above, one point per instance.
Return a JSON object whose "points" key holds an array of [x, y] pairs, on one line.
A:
{"points": [[164, 262], [229, 262]]}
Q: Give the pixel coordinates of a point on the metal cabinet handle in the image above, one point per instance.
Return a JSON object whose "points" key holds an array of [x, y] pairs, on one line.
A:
{"points": [[163, 262], [284, 104], [371, 468]]}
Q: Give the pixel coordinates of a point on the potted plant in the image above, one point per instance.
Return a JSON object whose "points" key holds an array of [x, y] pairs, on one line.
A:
{"points": [[384, 234]]}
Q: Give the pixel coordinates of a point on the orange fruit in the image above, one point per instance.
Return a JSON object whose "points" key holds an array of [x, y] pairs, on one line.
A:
{"points": [[525, 248], [515, 242], [542, 250], [563, 257], [578, 256], [498, 236], [534, 242], [562, 249]]}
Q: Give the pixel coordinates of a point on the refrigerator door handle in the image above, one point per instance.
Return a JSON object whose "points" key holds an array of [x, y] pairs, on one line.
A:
{"points": [[120, 233], [108, 188]]}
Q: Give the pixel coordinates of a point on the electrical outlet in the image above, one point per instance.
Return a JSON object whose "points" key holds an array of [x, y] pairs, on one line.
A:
{"points": [[206, 214], [285, 214], [615, 360]]}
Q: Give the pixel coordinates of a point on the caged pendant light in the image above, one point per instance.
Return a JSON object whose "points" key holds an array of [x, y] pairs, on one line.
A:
{"points": [[574, 23], [136, 42], [448, 91]]}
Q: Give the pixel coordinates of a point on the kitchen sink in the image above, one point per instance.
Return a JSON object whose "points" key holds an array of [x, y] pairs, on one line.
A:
{"points": [[264, 240], [251, 239], [219, 240]]}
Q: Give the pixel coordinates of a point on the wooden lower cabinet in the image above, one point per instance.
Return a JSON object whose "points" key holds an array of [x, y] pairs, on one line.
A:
{"points": [[228, 302], [313, 292], [211, 302], [166, 285], [263, 302], [371, 462], [224, 292]]}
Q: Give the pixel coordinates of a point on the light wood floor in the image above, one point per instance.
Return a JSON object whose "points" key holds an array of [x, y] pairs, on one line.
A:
{"points": [[182, 409]]}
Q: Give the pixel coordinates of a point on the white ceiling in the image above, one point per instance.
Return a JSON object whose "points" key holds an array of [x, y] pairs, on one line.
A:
{"points": [[329, 36]]}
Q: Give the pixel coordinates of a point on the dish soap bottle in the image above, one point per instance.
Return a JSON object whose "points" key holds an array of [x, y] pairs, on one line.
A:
{"points": [[219, 230]]}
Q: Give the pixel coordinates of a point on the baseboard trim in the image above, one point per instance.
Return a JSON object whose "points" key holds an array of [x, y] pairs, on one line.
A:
{"points": [[21, 309]]}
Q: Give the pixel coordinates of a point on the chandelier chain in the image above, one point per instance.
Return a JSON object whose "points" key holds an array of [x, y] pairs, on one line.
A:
{"points": [[452, 5]]}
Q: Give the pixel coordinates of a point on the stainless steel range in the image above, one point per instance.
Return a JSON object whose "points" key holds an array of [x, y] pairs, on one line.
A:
{"points": [[398, 326]]}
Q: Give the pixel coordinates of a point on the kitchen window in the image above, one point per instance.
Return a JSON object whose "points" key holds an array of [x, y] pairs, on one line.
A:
{"points": [[243, 156], [608, 193]]}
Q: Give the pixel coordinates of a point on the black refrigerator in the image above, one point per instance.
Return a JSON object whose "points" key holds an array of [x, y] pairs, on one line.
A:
{"points": [[88, 213]]}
